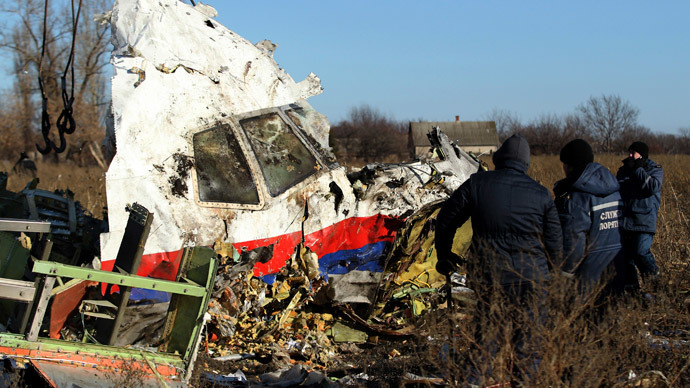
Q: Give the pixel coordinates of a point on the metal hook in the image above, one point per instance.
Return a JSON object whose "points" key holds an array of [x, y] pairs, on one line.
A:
{"points": [[45, 129], [63, 143], [65, 121]]}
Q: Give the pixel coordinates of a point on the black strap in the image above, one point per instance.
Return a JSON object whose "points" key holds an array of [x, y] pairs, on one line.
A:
{"points": [[65, 122], [45, 118]]}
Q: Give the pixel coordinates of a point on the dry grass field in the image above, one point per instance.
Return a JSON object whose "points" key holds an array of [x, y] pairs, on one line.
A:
{"points": [[641, 340]]}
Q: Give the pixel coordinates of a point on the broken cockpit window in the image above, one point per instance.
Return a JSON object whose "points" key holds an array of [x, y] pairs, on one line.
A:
{"points": [[222, 170], [284, 160], [299, 116]]}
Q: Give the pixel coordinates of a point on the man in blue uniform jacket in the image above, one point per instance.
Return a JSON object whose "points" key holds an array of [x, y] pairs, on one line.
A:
{"points": [[640, 186], [590, 209]]}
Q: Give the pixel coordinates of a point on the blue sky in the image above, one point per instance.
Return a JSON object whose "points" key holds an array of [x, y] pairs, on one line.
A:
{"points": [[433, 60]]}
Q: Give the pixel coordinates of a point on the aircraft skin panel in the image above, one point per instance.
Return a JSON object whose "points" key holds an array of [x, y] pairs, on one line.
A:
{"points": [[177, 70], [351, 238], [184, 84]]}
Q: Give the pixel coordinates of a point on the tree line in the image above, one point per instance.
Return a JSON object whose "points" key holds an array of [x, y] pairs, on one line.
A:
{"points": [[368, 136], [607, 122]]}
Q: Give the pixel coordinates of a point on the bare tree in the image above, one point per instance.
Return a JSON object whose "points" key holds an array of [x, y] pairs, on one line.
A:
{"points": [[669, 143], [507, 122], [575, 128], [92, 56], [684, 132], [22, 37], [368, 136], [635, 133], [607, 117], [684, 140], [9, 130], [545, 134]]}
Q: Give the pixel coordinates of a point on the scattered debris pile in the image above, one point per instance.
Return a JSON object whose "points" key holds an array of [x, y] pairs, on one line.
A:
{"points": [[300, 318], [250, 316]]}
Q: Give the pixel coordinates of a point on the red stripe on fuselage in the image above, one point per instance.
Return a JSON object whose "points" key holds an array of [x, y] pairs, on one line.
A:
{"points": [[162, 265], [351, 233]]}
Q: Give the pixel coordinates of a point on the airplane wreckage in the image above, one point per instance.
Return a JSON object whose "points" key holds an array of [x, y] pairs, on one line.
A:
{"points": [[223, 193]]}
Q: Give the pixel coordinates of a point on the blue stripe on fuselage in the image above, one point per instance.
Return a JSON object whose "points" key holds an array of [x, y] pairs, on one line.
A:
{"points": [[367, 258]]}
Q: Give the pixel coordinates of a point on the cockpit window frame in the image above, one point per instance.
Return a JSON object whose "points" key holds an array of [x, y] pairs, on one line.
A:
{"points": [[254, 166], [323, 159], [252, 170]]}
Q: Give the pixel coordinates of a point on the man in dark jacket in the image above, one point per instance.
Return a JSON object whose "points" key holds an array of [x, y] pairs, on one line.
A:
{"points": [[590, 208], [640, 186], [516, 240], [516, 231]]}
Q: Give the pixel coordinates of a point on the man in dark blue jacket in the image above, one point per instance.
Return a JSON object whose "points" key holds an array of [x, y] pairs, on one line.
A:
{"points": [[516, 240], [590, 208], [640, 186]]}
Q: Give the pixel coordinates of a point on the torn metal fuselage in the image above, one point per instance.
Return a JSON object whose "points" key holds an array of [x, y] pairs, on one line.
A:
{"points": [[220, 143]]}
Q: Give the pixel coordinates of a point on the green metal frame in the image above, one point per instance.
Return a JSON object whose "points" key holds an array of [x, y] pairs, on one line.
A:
{"points": [[186, 314], [61, 346], [57, 269], [184, 323]]}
